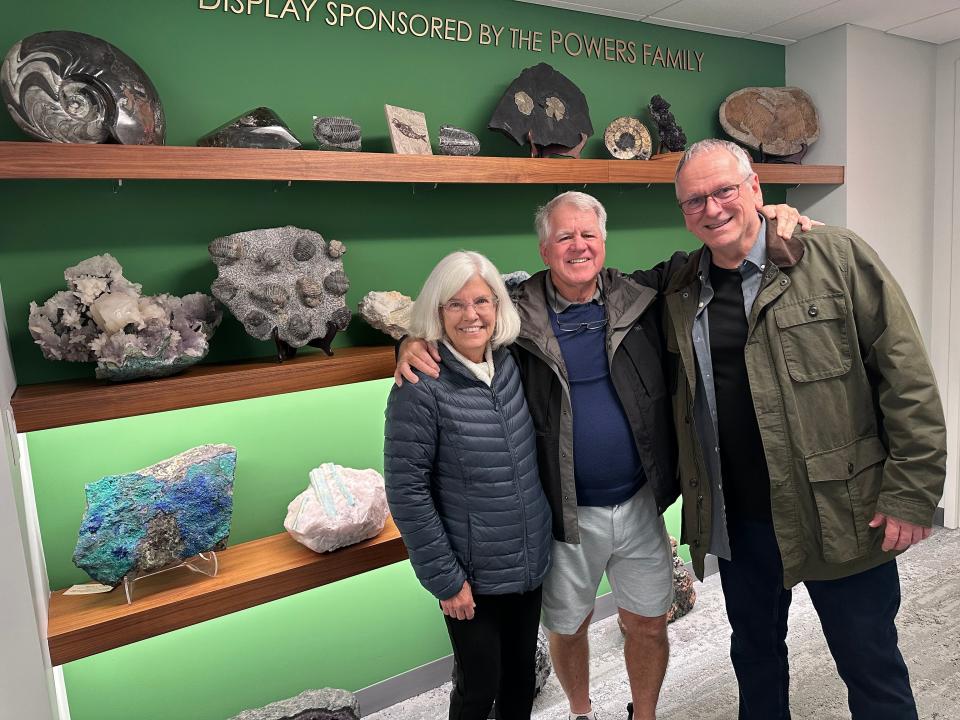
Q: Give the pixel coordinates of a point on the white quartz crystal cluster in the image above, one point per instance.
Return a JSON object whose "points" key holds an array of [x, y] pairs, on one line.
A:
{"points": [[103, 318], [340, 507]]}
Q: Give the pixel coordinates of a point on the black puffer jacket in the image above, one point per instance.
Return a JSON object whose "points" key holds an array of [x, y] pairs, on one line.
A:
{"points": [[460, 462]]}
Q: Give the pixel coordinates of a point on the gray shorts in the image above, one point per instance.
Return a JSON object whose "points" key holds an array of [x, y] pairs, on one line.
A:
{"points": [[629, 542]]}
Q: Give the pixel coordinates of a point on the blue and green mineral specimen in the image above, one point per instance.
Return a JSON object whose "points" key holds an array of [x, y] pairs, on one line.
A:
{"points": [[155, 517]]}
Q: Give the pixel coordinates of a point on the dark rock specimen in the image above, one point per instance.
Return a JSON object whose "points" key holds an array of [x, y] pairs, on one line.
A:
{"points": [[69, 87], [337, 133], [325, 704], [543, 107], [284, 284], [684, 596], [627, 138], [456, 141], [156, 517], [258, 128], [672, 137], [780, 122]]}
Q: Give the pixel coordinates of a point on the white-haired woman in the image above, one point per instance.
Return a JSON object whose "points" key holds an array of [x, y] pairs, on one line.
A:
{"points": [[461, 469]]}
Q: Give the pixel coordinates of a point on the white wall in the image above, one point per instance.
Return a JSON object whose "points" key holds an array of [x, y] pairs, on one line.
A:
{"points": [[26, 684], [891, 100], [888, 108], [818, 66], [945, 281]]}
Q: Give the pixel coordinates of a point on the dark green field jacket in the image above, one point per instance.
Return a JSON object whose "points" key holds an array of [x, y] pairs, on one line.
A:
{"points": [[846, 401]]}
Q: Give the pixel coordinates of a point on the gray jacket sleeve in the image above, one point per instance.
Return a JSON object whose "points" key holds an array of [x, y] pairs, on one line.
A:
{"points": [[409, 454]]}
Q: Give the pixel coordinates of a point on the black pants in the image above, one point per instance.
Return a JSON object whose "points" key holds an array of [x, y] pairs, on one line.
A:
{"points": [[495, 656], [857, 615]]}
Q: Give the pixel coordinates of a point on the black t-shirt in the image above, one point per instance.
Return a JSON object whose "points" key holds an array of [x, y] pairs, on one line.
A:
{"points": [[746, 482]]}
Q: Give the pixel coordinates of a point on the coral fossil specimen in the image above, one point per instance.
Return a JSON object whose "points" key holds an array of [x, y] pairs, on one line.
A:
{"points": [[103, 318], [285, 284]]}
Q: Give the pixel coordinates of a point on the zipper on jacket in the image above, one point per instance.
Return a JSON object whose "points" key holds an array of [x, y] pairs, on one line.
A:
{"points": [[516, 482]]}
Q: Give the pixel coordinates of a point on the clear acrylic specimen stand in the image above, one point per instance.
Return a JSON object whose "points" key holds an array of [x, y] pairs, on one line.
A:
{"points": [[204, 563]]}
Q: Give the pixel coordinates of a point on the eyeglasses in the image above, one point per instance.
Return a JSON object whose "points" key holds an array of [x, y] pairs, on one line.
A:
{"points": [[723, 196], [481, 304], [581, 327]]}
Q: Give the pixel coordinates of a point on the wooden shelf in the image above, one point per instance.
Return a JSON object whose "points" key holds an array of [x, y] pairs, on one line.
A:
{"points": [[38, 160], [50, 405], [250, 574]]}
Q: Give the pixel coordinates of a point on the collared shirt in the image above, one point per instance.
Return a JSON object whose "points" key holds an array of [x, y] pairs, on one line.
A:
{"points": [[559, 303], [483, 371], [705, 400]]}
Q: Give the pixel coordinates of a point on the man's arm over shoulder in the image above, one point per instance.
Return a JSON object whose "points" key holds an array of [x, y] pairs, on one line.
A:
{"points": [[658, 277], [904, 386]]}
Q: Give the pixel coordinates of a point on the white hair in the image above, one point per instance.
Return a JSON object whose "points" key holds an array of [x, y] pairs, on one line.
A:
{"points": [[579, 200], [445, 281], [710, 144]]}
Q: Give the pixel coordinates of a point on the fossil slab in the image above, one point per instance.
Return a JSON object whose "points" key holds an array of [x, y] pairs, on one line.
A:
{"points": [[284, 284], [69, 87], [456, 141], [408, 131], [776, 121], [103, 318], [341, 506], [672, 137], [325, 704], [149, 519], [546, 109], [337, 133], [258, 128], [388, 312], [628, 139]]}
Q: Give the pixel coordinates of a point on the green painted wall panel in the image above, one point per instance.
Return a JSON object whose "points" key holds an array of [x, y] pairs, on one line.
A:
{"points": [[209, 67]]}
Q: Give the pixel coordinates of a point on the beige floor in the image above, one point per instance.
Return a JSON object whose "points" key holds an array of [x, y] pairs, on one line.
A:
{"points": [[700, 684]]}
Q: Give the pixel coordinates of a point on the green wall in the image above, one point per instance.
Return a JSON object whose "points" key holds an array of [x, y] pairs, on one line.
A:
{"points": [[208, 67]]}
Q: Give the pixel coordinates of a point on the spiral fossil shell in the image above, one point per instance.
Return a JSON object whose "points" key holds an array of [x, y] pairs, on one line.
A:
{"points": [[69, 87]]}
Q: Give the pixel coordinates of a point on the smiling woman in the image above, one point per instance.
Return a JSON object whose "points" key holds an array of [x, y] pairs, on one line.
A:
{"points": [[460, 464]]}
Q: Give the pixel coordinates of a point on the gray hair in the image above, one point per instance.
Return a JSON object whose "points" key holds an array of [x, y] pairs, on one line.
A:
{"points": [[445, 281], [579, 200], [704, 146]]}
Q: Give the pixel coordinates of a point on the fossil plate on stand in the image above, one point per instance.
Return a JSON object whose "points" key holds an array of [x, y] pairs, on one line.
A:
{"points": [[284, 284], [70, 87], [544, 108], [779, 122]]}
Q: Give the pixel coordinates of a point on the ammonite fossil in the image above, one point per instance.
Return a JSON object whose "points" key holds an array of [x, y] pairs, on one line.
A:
{"points": [[627, 138], [69, 87]]}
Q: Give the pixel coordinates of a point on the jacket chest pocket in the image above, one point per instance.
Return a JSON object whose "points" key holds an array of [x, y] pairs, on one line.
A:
{"points": [[813, 335]]}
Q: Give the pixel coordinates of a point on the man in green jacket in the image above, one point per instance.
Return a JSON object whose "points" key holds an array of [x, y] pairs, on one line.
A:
{"points": [[811, 435]]}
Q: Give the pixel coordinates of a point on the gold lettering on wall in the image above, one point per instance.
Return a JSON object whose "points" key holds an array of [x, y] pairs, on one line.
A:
{"points": [[368, 18]]}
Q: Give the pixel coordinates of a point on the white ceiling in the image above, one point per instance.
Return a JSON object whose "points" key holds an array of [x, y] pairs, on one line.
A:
{"points": [[785, 21]]}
